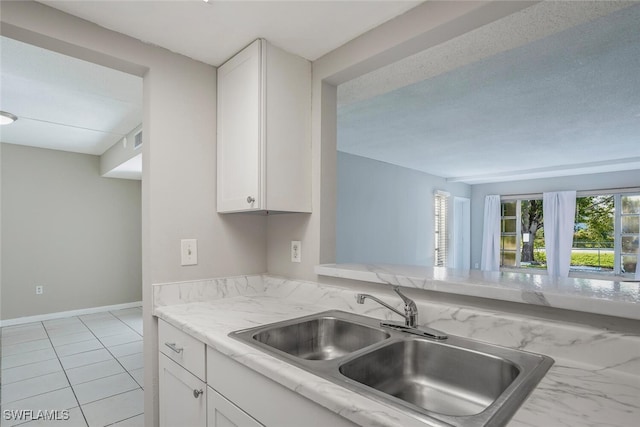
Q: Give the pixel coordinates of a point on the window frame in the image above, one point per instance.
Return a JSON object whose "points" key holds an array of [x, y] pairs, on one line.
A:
{"points": [[620, 234], [441, 228], [618, 193]]}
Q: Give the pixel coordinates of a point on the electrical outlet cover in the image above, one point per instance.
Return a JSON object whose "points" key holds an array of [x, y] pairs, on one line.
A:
{"points": [[296, 251]]}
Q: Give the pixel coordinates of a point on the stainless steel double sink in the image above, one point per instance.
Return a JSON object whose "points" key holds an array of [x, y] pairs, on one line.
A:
{"points": [[456, 382]]}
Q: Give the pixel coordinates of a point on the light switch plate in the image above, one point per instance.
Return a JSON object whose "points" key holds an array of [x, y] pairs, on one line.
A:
{"points": [[189, 251], [296, 251]]}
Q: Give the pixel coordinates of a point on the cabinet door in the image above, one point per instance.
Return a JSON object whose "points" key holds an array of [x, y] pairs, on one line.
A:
{"points": [[223, 413], [183, 400], [240, 145]]}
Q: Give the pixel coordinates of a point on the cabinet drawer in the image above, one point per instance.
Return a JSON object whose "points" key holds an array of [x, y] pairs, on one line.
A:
{"points": [[182, 348]]}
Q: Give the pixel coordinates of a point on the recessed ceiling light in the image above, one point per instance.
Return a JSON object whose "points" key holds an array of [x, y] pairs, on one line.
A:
{"points": [[7, 118]]}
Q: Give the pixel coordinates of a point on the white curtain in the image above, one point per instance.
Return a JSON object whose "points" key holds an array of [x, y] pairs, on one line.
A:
{"points": [[559, 211], [490, 260]]}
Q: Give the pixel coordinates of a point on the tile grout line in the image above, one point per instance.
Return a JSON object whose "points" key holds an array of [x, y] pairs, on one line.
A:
{"points": [[129, 326], [64, 370], [142, 336], [120, 363], [70, 343], [30, 378], [113, 424], [65, 374], [30, 363], [100, 378], [113, 395], [23, 342]]}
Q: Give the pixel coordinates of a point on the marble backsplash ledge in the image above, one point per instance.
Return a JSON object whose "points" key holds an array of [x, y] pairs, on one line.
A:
{"points": [[616, 298], [608, 350], [206, 290]]}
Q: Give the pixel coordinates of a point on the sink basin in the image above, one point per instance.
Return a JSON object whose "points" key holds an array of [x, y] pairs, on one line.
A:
{"points": [[321, 338], [325, 336], [455, 382], [439, 378]]}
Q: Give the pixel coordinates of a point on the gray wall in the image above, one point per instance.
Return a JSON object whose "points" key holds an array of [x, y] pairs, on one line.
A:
{"points": [[427, 25], [179, 164], [179, 161], [75, 233], [385, 212], [600, 181]]}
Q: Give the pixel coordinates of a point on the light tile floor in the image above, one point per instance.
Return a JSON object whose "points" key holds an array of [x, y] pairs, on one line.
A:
{"points": [[90, 366]]}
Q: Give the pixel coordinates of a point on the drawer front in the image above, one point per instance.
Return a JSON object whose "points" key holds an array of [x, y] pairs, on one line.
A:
{"points": [[182, 348]]}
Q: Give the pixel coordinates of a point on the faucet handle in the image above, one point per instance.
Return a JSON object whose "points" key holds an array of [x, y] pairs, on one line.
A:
{"points": [[407, 301], [410, 308]]}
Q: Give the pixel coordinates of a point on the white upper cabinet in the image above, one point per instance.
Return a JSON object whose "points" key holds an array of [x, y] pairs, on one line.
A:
{"points": [[264, 131]]}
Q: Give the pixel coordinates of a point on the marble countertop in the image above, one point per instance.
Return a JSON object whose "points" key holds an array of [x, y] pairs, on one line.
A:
{"points": [[571, 394], [607, 297]]}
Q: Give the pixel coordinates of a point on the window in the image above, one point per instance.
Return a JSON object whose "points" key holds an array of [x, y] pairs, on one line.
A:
{"points": [[522, 234], [594, 238], [440, 237], [629, 226], [606, 233], [509, 233]]}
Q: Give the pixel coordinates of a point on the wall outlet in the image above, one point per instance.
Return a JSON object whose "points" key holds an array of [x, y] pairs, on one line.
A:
{"points": [[189, 251], [296, 251], [39, 290], [477, 265]]}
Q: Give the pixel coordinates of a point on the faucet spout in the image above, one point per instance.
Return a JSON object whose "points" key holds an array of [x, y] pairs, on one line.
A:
{"points": [[410, 316], [361, 297]]}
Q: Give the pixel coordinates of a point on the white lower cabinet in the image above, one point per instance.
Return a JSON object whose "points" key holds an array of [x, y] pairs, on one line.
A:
{"points": [[232, 395], [263, 399], [183, 396], [222, 413]]}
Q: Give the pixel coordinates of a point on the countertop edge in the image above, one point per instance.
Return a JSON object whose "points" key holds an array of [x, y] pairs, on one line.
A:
{"points": [[568, 294]]}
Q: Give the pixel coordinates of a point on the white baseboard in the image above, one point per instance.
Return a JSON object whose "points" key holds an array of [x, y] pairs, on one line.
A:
{"points": [[59, 315]]}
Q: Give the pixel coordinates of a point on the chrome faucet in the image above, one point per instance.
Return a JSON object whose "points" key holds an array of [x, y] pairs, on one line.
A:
{"points": [[410, 316], [410, 309]]}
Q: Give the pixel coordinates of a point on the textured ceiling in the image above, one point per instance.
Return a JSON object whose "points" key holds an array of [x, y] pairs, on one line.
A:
{"points": [[522, 97], [567, 103], [71, 105], [63, 103]]}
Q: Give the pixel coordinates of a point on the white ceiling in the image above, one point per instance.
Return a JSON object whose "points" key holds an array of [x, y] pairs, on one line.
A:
{"points": [[213, 32], [473, 109], [63, 103], [521, 98], [72, 105], [131, 169]]}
